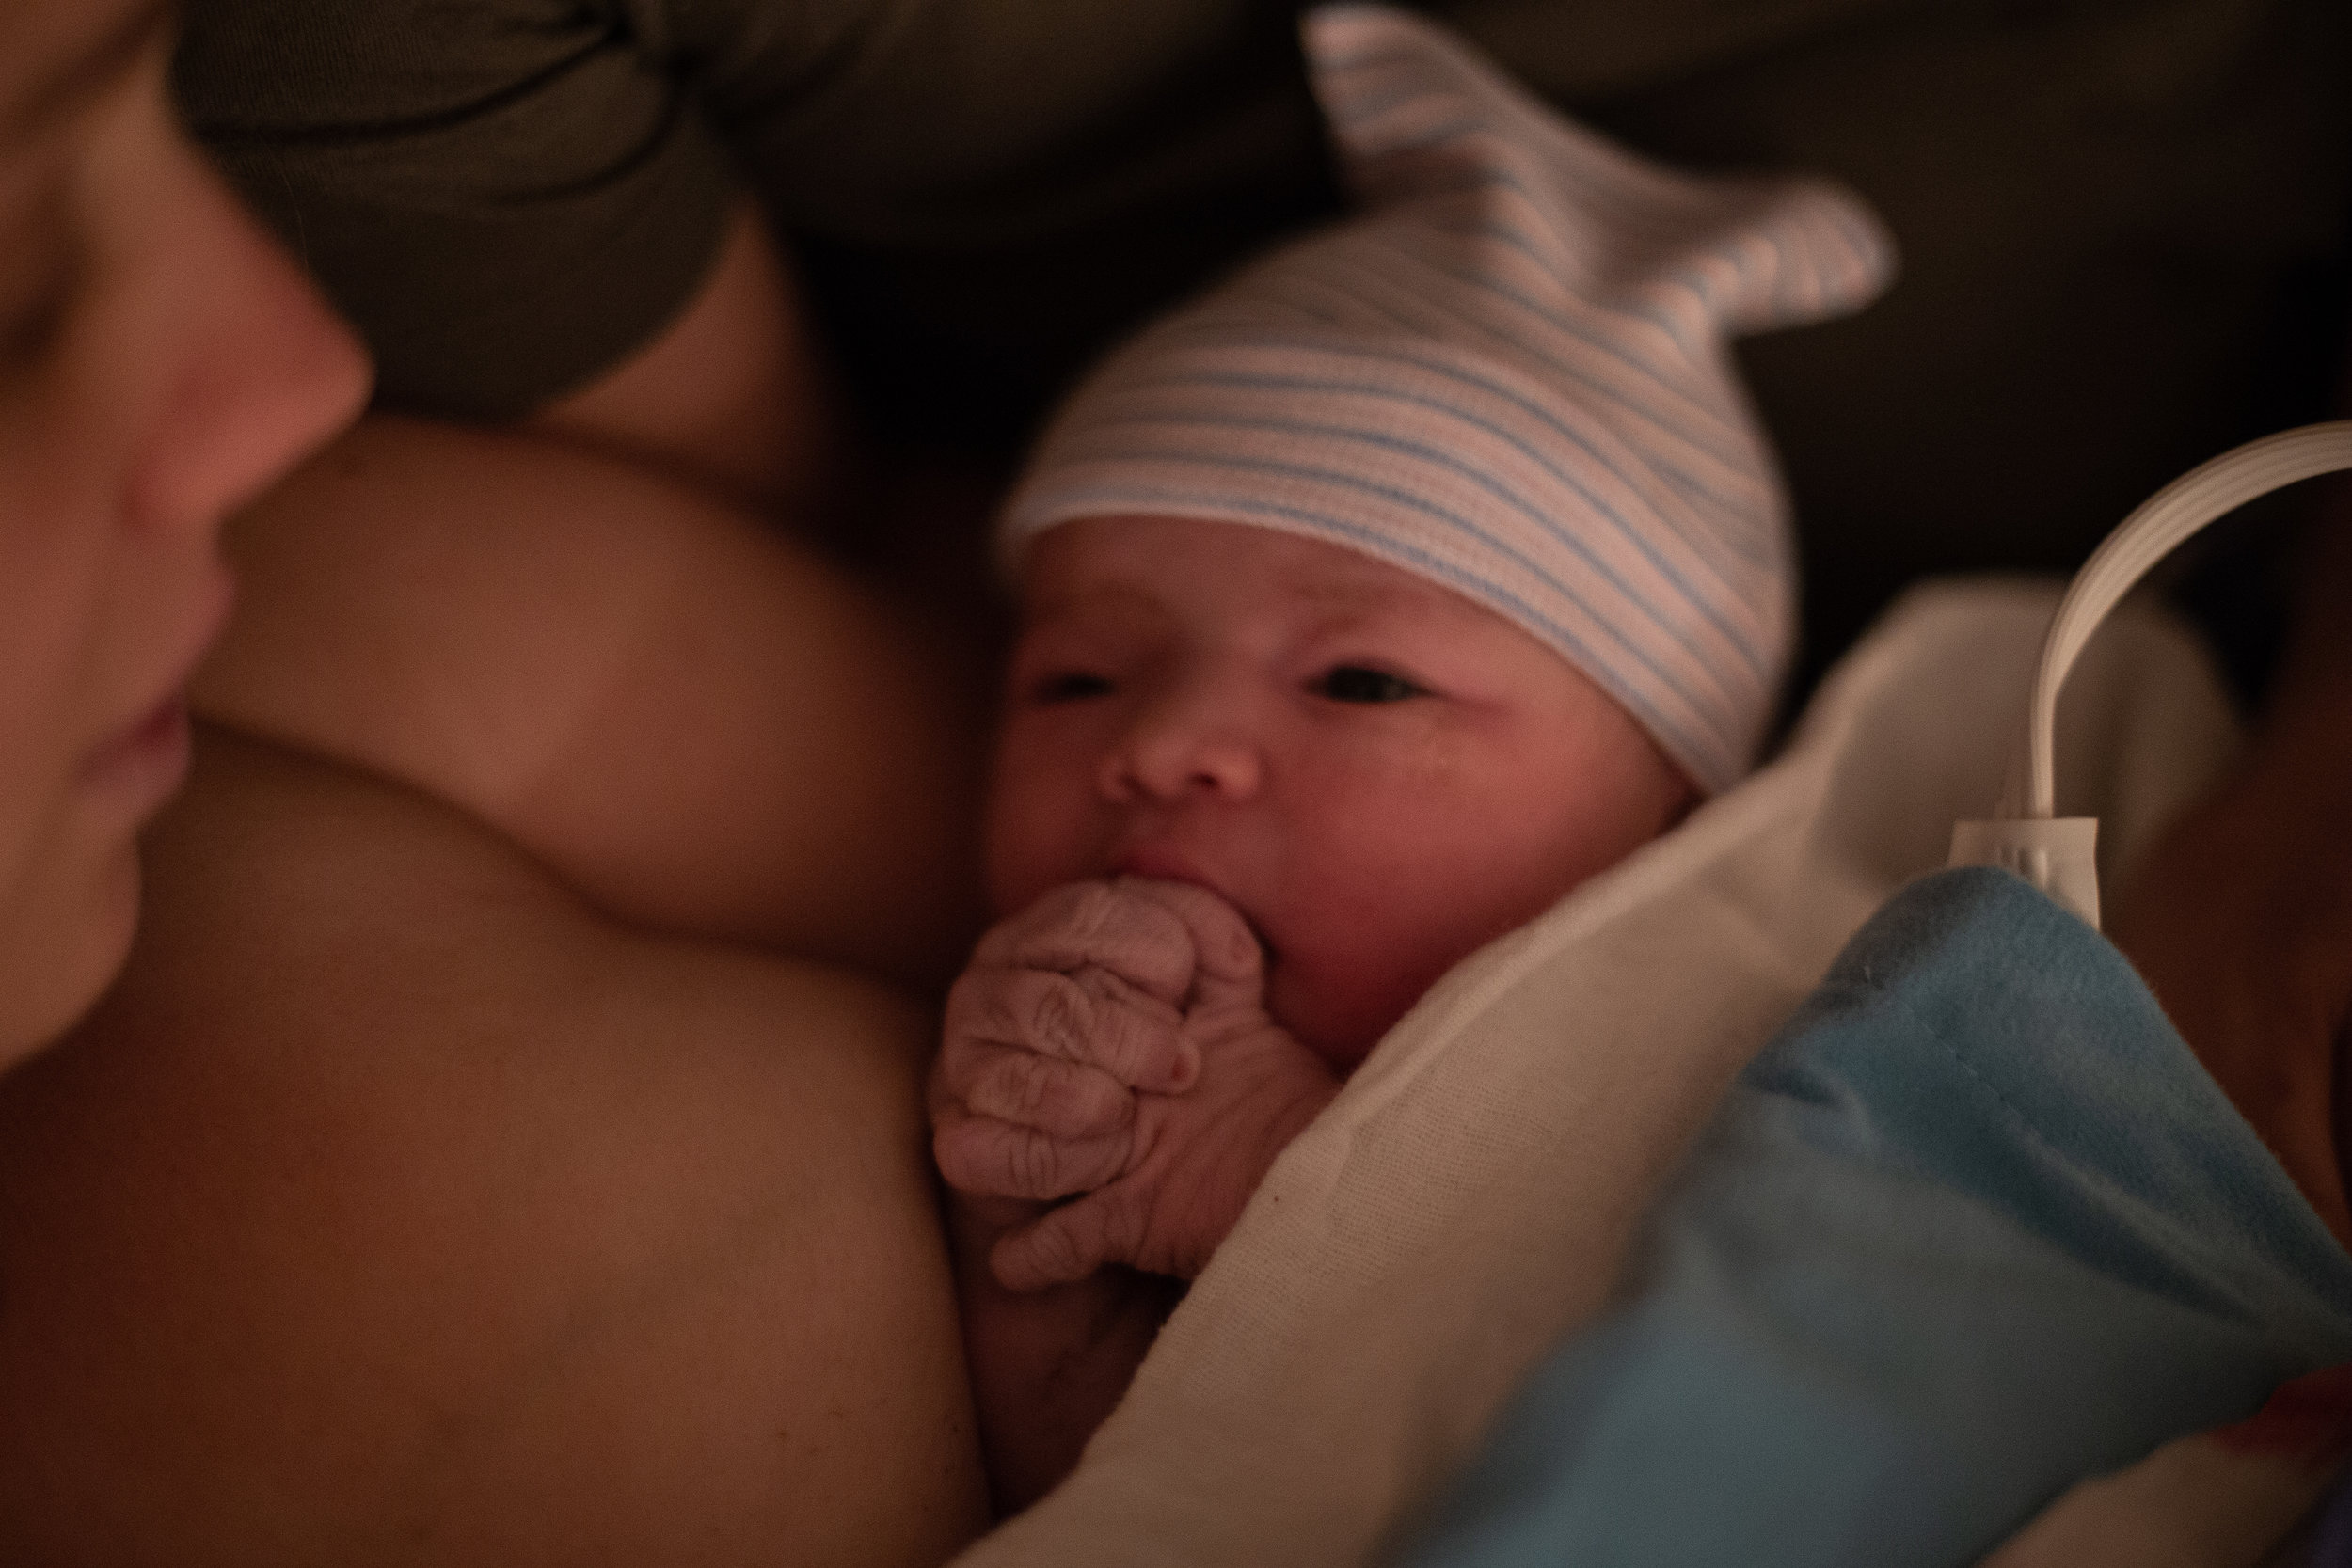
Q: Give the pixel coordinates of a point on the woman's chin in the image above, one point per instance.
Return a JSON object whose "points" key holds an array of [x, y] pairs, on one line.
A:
{"points": [[58, 955]]}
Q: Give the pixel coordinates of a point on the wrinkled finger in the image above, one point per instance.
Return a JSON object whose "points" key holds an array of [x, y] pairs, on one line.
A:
{"points": [[996, 1159], [1067, 1243], [1062, 1100], [1091, 1016], [1101, 925], [1228, 958]]}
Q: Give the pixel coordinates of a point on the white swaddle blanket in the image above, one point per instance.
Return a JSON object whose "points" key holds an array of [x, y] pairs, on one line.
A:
{"points": [[1469, 1196]]}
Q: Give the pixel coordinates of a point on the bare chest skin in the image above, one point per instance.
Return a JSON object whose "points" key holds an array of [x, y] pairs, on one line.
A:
{"points": [[394, 1206]]}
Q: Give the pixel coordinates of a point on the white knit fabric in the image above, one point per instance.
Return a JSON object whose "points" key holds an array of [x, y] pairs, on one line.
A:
{"points": [[1470, 1197], [1508, 372]]}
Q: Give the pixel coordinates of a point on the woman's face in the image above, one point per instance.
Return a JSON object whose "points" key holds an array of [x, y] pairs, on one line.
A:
{"points": [[159, 363]]}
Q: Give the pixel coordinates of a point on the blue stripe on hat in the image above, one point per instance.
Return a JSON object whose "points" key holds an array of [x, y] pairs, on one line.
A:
{"points": [[1244, 506], [1744, 549], [1664, 619], [1512, 282], [1639, 649]]}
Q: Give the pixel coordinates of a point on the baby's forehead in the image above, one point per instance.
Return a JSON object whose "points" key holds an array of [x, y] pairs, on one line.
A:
{"points": [[1179, 563]]}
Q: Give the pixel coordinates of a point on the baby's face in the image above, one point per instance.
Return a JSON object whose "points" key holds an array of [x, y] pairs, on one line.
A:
{"points": [[1378, 773]]}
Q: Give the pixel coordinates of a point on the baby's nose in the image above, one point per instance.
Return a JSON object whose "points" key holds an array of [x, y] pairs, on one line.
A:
{"points": [[1196, 742]]}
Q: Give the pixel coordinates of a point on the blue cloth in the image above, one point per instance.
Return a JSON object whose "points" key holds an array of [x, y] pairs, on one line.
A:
{"points": [[1974, 1226]]}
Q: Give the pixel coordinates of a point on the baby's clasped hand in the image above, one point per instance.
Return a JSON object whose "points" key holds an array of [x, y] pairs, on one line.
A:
{"points": [[1109, 1045]]}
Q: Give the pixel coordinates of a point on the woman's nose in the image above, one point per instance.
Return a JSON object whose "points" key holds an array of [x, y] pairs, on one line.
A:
{"points": [[265, 371], [1198, 741]]}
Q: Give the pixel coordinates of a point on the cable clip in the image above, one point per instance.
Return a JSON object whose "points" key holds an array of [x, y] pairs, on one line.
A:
{"points": [[2028, 837]]}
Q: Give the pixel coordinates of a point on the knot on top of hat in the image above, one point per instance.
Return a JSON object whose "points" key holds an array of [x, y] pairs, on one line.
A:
{"points": [[1506, 371], [1421, 122]]}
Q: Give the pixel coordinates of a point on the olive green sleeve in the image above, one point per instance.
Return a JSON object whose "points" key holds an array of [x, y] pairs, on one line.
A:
{"points": [[2116, 215], [503, 197], [506, 195]]}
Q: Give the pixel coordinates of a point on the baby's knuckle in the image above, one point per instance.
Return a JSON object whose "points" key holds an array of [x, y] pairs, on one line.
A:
{"points": [[1096, 906], [1034, 1163], [1223, 938], [1153, 922], [1057, 1252], [1028, 1087], [1105, 1105], [960, 1165], [1066, 922], [1060, 1017], [987, 1009], [1125, 1043]]}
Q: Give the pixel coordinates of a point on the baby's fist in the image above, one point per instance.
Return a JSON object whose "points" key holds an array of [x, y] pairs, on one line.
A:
{"points": [[1066, 1010]]}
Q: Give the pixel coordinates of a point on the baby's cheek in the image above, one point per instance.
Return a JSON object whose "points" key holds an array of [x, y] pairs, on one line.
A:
{"points": [[1373, 948], [1336, 1007], [1033, 839]]}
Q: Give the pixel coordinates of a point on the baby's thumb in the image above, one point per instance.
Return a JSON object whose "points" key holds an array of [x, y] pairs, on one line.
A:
{"points": [[1063, 1246]]}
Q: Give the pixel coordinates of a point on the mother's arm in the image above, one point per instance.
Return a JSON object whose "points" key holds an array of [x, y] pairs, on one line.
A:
{"points": [[397, 1207]]}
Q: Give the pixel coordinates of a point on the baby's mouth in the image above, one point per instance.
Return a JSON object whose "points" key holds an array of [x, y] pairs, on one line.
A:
{"points": [[1158, 864], [1166, 865]]}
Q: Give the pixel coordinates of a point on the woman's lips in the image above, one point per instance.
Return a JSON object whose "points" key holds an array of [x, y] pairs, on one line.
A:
{"points": [[142, 766]]}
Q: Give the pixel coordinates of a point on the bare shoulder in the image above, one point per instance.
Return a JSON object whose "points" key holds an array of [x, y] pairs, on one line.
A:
{"points": [[395, 1205], [702, 722]]}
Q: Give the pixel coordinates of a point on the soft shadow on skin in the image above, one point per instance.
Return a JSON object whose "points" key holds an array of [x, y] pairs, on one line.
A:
{"points": [[395, 1196]]}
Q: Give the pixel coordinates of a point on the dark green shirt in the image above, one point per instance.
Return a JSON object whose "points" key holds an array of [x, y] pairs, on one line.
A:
{"points": [[2124, 221], [506, 195]]}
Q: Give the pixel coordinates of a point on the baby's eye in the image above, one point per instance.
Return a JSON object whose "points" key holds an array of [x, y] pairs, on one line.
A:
{"points": [[1354, 683], [1069, 686]]}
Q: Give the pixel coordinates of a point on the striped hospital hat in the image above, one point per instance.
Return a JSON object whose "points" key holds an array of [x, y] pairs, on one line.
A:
{"points": [[1507, 372]]}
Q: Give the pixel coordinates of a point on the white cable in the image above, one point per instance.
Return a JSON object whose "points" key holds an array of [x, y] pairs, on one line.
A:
{"points": [[2029, 838], [2146, 537]]}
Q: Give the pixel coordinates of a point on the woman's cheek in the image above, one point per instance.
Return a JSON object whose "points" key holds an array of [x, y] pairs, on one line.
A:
{"points": [[66, 920]]}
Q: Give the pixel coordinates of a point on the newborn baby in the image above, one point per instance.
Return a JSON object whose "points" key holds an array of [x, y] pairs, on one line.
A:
{"points": [[1255, 793], [1369, 605]]}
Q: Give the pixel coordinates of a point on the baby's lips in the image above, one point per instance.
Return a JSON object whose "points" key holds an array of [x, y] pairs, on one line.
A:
{"points": [[1162, 862]]}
